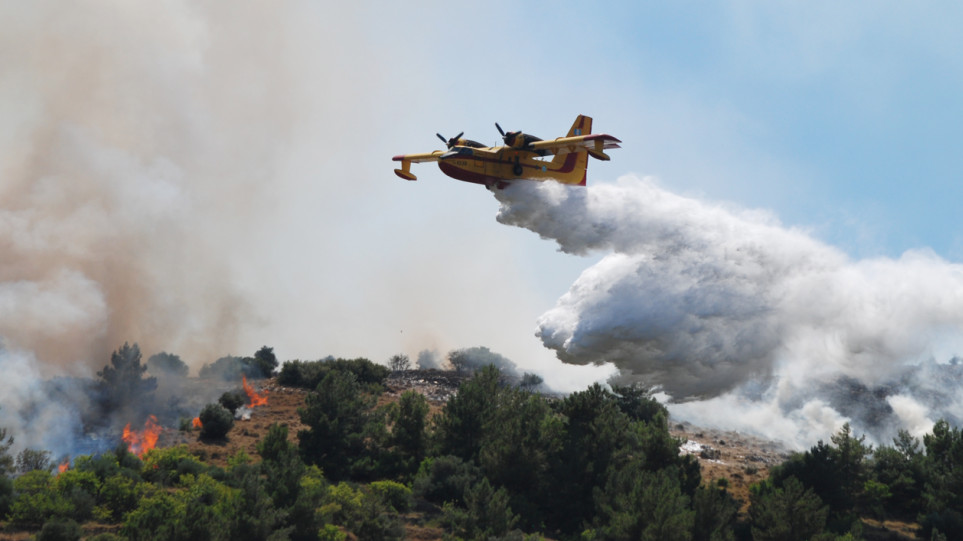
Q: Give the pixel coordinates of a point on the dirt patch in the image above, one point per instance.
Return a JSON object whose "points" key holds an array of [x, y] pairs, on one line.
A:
{"points": [[282, 408], [742, 460]]}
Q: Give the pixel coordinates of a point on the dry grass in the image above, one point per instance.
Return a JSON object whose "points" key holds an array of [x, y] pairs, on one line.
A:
{"points": [[742, 460]]}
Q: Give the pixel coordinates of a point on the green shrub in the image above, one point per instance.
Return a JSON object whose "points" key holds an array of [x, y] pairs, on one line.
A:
{"points": [[166, 466], [37, 500], [216, 421], [265, 362], [444, 479], [200, 508], [6, 495], [58, 529], [292, 374], [486, 515], [80, 488], [338, 418], [118, 494], [330, 532], [119, 462], [393, 494], [106, 536], [361, 512], [308, 374], [231, 400]]}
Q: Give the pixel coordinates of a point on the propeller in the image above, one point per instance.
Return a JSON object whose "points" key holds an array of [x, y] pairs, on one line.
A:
{"points": [[450, 142], [507, 137]]}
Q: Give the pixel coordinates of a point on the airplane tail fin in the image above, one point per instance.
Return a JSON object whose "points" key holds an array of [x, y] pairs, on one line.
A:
{"points": [[572, 167], [582, 126]]}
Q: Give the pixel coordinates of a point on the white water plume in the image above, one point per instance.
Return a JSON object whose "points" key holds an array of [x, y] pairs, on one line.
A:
{"points": [[744, 322]]}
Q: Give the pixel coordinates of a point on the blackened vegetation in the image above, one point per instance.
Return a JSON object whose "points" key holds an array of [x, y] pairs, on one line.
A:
{"points": [[399, 363]]}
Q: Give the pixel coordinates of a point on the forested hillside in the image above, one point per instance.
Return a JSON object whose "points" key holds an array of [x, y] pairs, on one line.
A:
{"points": [[494, 460]]}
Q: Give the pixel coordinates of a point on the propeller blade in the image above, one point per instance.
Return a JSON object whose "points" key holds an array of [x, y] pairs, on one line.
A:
{"points": [[443, 140], [454, 140], [500, 130]]}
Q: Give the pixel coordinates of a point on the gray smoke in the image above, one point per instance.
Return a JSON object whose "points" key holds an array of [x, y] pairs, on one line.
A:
{"points": [[42, 413], [475, 358], [743, 322], [139, 153], [127, 158], [429, 359]]}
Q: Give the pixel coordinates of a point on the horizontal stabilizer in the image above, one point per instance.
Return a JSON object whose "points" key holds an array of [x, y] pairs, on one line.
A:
{"points": [[405, 171], [405, 175], [599, 155]]}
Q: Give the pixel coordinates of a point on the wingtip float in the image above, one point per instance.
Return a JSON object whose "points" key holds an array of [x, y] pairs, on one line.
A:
{"points": [[523, 156]]}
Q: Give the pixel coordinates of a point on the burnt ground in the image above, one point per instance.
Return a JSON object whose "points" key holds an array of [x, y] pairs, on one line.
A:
{"points": [[282, 408]]}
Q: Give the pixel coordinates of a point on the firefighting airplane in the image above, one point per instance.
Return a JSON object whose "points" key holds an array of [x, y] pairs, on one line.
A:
{"points": [[523, 157]]}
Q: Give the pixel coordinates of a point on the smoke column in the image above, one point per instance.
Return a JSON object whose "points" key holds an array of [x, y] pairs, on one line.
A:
{"points": [[141, 152], [125, 157], [746, 324]]}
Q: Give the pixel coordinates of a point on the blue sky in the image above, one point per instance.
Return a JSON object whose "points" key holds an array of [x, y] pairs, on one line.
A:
{"points": [[839, 120]]}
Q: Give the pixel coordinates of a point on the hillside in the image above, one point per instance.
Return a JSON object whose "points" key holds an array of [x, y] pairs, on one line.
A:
{"points": [[741, 459]]}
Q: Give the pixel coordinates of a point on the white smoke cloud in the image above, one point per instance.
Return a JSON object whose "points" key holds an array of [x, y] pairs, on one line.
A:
{"points": [[39, 413], [754, 323]]}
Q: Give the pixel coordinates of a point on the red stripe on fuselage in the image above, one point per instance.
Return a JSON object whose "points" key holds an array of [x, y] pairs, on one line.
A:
{"points": [[458, 173], [569, 164], [462, 173]]}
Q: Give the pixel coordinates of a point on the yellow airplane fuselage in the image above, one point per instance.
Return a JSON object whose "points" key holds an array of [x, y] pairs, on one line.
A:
{"points": [[563, 160], [493, 166]]}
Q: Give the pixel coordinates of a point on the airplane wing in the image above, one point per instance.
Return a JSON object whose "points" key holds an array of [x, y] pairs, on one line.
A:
{"points": [[408, 159], [595, 144]]}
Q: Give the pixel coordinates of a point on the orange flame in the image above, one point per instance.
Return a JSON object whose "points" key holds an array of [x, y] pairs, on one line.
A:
{"points": [[197, 423], [64, 466], [256, 399], [141, 442]]}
